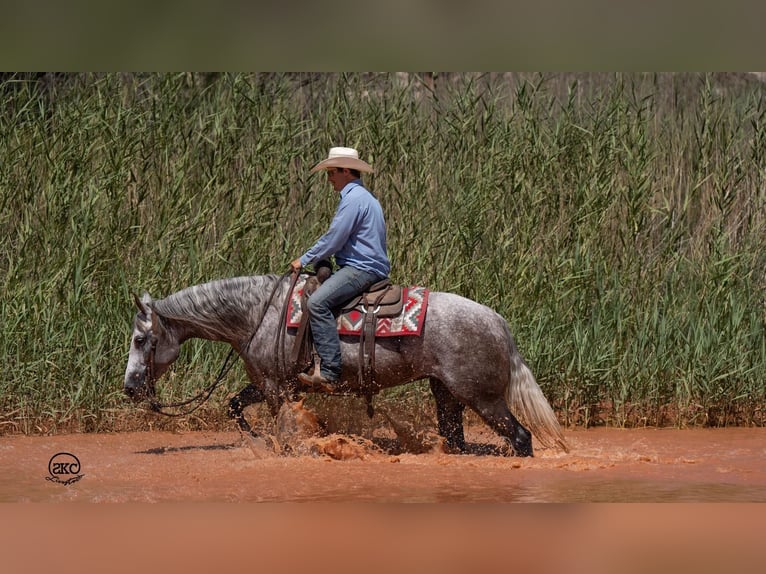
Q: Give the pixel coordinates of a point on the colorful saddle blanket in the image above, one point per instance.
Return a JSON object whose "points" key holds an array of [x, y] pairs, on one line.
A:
{"points": [[409, 322]]}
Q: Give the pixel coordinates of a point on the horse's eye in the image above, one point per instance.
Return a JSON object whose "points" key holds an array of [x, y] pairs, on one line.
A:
{"points": [[139, 340]]}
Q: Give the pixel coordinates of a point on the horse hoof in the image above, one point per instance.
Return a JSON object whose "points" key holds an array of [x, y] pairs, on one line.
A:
{"points": [[455, 447], [524, 451], [522, 443]]}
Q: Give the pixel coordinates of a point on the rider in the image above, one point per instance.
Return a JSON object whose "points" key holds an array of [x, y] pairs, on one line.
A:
{"points": [[357, 239]]}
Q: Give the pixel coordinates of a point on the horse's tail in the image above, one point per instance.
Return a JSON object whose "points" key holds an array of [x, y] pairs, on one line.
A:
{"points": [[526, 400]]}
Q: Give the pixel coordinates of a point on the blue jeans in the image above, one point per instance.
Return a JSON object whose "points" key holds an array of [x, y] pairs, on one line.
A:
{"points": [[341, 286]]}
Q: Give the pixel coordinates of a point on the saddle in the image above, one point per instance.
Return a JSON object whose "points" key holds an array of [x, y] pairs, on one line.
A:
{"points": [[380, 300], [384, 299]]}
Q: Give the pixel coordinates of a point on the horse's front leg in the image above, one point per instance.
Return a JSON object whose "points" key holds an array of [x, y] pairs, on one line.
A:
{"points": [[261, 445], [250, 395], [261, 388], [275, 395]]}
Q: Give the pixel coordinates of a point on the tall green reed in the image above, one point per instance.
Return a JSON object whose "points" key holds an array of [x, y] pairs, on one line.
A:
{"points": [[616, 221]]}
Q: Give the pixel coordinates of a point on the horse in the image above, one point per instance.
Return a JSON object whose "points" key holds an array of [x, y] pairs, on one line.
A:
{"points": [[465, 350]]}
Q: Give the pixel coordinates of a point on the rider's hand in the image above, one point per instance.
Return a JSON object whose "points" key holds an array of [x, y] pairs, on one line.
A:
{"points": [[296, 265]]}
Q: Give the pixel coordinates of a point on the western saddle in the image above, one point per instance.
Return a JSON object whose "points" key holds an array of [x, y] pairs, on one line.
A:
{"points": [[380, 300]]}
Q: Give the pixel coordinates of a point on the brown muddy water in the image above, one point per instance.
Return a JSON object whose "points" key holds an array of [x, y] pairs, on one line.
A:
{"points": [[604, 465], [228, 505]]}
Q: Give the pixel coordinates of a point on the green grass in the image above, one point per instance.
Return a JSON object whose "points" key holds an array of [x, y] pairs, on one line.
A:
{"points": [[617, 221]]}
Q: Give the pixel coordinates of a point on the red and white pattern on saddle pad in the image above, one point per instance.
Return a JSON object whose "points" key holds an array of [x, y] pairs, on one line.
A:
{"points": [[408, 322]]}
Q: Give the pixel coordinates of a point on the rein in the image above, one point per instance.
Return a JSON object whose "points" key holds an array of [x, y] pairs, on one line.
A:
{"points": [[204, 394]]}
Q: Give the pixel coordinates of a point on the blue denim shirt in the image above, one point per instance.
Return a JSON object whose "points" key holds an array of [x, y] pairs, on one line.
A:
{"points": [[357, 233]]}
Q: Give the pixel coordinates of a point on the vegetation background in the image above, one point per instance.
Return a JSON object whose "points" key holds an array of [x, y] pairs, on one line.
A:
{"points": [[618, 221]]}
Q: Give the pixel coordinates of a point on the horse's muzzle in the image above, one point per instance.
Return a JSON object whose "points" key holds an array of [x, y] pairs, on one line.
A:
{"points": [[131, 392], [137, 387]]}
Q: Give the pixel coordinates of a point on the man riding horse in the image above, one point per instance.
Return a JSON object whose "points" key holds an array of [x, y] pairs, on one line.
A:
{"points": [[357, 239]]}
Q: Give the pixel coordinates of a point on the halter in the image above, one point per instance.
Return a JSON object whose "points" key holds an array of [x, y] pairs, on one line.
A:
{"points": [[204, 394]]}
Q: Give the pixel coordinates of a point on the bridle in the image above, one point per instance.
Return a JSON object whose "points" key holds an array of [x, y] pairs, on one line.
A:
{"points": [[204, 394]]}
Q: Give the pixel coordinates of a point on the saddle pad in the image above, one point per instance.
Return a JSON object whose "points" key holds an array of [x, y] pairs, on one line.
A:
{"points": [[409, 322]]}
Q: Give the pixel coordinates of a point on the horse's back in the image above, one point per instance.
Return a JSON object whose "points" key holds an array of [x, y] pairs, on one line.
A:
{"points": [[459, 314]]}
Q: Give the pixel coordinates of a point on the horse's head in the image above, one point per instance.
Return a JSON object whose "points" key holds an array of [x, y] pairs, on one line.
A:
{"points": [[152, 351]]}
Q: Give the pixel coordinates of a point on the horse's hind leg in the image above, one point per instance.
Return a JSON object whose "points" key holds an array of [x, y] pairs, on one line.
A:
{"points": [[246, 397], [449, 415], [496, 414]]}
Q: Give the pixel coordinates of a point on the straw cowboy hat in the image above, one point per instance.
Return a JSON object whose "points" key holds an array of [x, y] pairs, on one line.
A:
{"points": [[343, 157]]}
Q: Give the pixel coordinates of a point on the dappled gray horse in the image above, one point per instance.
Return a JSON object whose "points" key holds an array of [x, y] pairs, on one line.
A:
{"points": [[466, 350]]}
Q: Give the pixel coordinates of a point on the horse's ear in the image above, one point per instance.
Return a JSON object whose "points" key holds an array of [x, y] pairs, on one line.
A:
{"points": [[143, 303]]}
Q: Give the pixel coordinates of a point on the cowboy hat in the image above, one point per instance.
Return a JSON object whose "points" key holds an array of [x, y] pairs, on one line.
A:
{"points": [[343, 157]]}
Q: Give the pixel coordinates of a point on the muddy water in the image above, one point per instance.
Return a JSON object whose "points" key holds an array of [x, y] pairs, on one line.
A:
{"points": [[605, 465]]}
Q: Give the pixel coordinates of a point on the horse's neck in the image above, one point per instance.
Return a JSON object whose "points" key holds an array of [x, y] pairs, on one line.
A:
{"points": [[227, 312], [183, 329]]}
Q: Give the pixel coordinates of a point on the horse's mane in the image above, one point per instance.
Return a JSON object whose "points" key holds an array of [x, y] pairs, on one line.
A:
{"points": [[220, 306]]}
